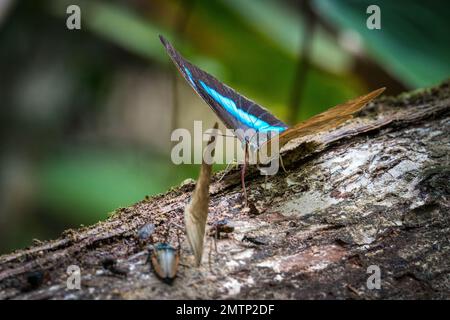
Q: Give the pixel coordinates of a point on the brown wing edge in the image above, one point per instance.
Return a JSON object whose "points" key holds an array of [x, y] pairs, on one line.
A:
{"points": [[326, 120], [329, 118]]}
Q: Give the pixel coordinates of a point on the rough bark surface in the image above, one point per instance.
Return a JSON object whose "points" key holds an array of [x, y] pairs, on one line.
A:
{"points": [[373, 192]]}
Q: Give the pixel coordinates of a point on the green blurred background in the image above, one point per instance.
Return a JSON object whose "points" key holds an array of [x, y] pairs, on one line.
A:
{"points": [[86, 115]]}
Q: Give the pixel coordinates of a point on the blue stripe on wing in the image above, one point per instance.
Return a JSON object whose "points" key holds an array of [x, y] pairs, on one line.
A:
{"points": [[246, 118], [188, 72]]}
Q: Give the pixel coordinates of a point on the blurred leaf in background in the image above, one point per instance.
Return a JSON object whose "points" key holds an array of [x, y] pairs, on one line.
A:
{"points": [[85, 183], [413, 41]]}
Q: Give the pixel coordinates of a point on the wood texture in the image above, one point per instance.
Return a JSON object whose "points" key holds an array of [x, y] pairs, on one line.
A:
{"points": [[373, 192]]}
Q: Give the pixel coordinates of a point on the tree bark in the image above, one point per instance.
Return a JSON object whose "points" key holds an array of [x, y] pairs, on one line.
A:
{"points": [[374, 192]]}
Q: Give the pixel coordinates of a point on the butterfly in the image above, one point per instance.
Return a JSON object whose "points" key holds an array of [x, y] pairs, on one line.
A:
{"points": [[242, 114]]}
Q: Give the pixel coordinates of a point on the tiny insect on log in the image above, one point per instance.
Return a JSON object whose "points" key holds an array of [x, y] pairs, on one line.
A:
{"points": [[35, 279], [110, 263], [221, 226], [164, 260]]}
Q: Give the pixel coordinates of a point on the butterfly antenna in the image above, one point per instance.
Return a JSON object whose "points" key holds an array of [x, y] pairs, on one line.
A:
{"points": [[220, 135]]}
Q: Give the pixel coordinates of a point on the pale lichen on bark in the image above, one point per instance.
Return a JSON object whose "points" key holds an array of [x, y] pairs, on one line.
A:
{"points": [[373, 192]]}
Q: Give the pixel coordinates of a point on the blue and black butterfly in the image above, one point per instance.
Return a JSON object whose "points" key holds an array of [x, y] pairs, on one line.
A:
{"points": [[239, 112], [235, 110]]}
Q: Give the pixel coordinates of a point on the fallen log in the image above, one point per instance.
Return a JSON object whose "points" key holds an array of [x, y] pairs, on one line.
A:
{"points": [[364, 203]]}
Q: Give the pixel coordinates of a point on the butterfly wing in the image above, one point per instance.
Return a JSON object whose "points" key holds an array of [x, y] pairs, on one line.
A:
{"points": [[235, 110], [326, 120]]}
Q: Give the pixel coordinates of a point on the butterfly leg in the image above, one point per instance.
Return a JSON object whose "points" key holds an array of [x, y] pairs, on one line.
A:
{"points": [[244, 166]]}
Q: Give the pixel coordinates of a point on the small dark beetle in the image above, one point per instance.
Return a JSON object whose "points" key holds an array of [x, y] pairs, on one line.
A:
{"points": [[164, 259], [110, 263], [35, 279]]}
